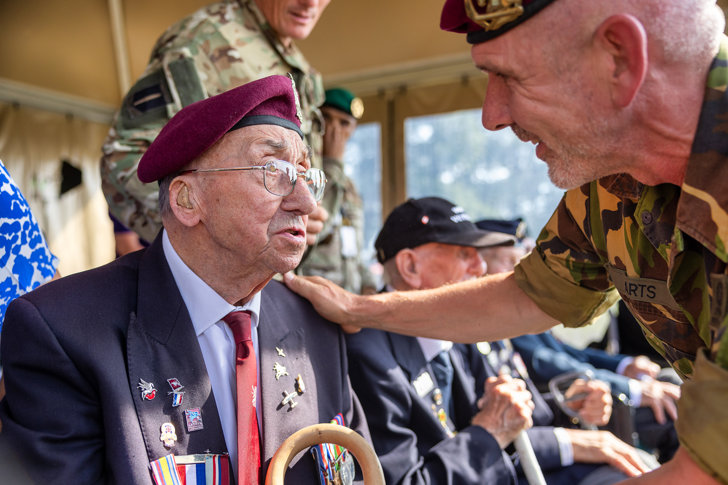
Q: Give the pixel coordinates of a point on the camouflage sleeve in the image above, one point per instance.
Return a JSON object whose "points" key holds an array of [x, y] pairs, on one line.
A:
{"points": [[702, 423], [207, 53], [167, 86], [564, 275]]}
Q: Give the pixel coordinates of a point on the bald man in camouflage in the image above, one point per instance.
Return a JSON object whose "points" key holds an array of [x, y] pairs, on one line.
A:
{"points": [[626, 103]]}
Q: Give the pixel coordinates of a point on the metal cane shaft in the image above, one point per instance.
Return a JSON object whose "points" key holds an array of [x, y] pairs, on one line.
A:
{"points": [[528, 460]]}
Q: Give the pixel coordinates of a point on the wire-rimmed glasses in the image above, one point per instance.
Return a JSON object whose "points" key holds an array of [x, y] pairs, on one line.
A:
{"points": [[280, 177]]}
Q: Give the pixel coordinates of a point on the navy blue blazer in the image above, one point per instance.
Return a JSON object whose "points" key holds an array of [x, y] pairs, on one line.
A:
{"points": [[547, 357], [75, 350], [412, 444]]}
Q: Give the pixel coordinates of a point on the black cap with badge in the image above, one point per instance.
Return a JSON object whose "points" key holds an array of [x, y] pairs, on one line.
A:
{"points": [[432, 219]]}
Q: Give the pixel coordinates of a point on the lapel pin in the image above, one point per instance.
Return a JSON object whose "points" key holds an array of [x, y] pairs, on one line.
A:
{"points": [[300, 386], [288, 399], [279, 370], [177, 392], [437, 396], [280, 352], [194, 419], [168, 436], [147, 388]]}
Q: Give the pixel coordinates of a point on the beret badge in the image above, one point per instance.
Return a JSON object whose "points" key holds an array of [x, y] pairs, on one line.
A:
{"points": [[497, 12], [299, 115]]}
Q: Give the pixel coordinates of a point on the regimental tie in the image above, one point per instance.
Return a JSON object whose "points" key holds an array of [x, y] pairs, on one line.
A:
{"points": [[442, 367], [247, 375]]}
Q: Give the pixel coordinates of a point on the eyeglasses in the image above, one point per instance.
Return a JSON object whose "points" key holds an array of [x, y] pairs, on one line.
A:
{"points": [[280, 177]]}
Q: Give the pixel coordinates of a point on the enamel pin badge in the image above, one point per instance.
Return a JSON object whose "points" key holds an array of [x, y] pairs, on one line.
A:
{"points": [[280, 370], [147, 388], [167, 435], [176, 392], [193, 417]]}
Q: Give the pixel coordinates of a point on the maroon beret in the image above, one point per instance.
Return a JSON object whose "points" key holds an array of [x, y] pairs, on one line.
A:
{"points": [[485, 22], [272, 100]]}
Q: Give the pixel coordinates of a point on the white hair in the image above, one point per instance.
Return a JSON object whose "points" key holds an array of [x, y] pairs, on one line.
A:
{"points": [[686, 31]]}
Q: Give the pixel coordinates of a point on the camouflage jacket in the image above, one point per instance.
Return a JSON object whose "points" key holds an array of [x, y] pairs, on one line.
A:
{"points": [[663, 250], [337, 254], [216, 48]]}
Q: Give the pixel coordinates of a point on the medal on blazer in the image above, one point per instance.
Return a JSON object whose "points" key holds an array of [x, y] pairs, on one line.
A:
{"points": [[147, 388], [207, 468], [177, 392], [193, 417], [167, 435], [279, 370], [335, 463]]}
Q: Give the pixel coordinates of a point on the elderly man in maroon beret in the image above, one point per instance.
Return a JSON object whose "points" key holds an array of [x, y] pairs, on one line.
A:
{"points": [[626, 102], [185, 358]]}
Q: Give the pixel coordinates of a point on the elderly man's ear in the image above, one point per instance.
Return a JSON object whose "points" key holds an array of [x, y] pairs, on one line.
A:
{"points": [[409, 268], [182, 202]]}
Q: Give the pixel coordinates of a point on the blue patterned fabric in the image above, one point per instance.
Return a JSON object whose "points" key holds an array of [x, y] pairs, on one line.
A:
{"points": [[25, 260]]}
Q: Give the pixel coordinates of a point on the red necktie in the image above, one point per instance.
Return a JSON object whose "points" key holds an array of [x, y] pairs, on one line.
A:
{"points": [[247, 375]]}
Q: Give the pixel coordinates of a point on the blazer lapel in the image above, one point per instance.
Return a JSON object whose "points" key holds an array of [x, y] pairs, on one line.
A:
{"points": [[163, 352], [408, 354], [283, 358]]}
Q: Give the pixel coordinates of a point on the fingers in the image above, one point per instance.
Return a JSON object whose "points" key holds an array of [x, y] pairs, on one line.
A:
{"points": [[595, 407], [506, 409], [330, 301], [604, 447], [315, 224], [661, 397]]}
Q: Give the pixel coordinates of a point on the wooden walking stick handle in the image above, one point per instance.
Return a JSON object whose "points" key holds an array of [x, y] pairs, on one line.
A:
{"points": [[325, 433]]}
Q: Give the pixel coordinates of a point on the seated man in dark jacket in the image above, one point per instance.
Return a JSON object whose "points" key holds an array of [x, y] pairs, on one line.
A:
{"points": [[429, 428], [635, 378]]}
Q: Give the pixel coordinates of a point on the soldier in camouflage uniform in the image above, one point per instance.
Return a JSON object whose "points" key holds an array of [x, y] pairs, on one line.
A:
{"points": [[218, 47], [626, 102], [337, 254]]}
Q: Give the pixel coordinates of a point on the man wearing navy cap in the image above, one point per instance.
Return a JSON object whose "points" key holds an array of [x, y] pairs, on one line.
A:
{"points": [[337, 253], [132, 366], [434, 427], [626, 103]]}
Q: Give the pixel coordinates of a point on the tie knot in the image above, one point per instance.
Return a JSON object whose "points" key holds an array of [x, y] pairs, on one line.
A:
{"points": [[239, 323]]}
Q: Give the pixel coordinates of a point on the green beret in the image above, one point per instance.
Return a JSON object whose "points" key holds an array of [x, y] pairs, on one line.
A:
{"points": [[345, 101]]}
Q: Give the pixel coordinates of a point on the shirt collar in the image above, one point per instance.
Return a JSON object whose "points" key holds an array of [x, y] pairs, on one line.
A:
{"points": [[204, 305], [431, 347]]}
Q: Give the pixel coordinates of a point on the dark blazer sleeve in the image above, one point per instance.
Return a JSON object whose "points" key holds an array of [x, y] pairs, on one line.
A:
{"points": [[56, 420], [547, 358], [410, 449]]}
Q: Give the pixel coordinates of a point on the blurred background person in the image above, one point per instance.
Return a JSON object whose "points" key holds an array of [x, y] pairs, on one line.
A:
{"points": [[632, 379], [26, 262], [221, 46], [443, 413], [338, 252]]}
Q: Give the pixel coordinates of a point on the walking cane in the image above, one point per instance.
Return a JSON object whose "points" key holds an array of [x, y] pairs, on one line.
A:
{"points": [[529, 463], [325, 433]]}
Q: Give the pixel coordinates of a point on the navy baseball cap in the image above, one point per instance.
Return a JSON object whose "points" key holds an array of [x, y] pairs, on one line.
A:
{"points": [[432, 219], [514, 227]]}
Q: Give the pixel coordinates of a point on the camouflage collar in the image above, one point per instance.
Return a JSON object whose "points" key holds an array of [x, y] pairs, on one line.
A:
{"points": [[291, 54], [703, 208]]}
